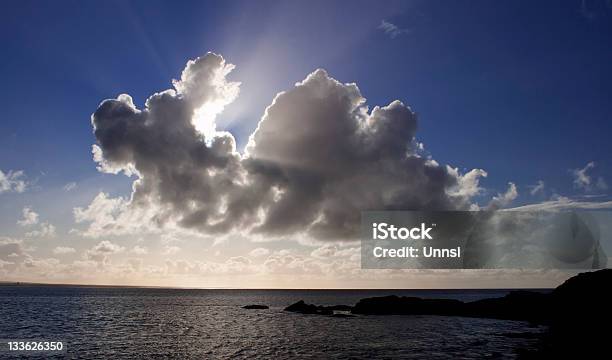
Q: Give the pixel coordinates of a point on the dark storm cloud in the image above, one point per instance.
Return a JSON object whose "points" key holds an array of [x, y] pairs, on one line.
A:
{"points": [[317, 158]]}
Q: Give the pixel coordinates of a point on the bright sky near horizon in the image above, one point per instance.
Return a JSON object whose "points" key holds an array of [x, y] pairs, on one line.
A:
{"points": [[514, 96]]}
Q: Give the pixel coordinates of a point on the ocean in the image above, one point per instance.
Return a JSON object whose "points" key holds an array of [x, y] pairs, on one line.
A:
{"points": [[147, 323]]}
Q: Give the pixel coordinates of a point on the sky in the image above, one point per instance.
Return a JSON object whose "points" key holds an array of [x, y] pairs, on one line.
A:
{"points": [[237, 177]]}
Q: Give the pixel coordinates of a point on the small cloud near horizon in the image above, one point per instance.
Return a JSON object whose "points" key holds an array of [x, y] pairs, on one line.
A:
{"points": [[537, 188], [61, 250], [585, 181], [29, 217]]}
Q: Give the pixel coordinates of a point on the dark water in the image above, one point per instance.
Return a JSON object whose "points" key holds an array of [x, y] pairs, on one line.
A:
{"points": [[203, 324]]}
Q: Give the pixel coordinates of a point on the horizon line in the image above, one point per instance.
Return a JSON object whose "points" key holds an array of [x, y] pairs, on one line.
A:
{"points": [[27, 283]]}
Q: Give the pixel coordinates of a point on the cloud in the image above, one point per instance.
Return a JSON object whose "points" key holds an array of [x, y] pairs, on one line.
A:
{"points": [[317, 158], [61, 250], [237, 265], [102, 214], [537, 188], [139, 250], [69, 186], [12, 181], [324, 251], [584, 181], [468, 185], [45, 230], [285, 263], [565, 203], [107, 216], [581, 179], [502, 200], [391, 29], [30, 217], [329, 251], [10, 248], [102, 251], [170, 250], [337, 266], [259, 252]]}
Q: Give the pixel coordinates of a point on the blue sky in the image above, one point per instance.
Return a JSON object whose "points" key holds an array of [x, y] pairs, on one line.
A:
{"points": [[494, 84], [520, 89]]}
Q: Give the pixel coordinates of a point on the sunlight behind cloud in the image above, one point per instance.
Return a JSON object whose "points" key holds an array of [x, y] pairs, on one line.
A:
{"points": [[204, 119]]}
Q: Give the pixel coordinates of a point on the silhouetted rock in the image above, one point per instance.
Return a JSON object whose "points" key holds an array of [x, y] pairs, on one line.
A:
{"points": [[339, 307], [517, 305], [577, 299], [395, 305], [589, 289], [578, 313], [582, 301], [303, 308], [256, 307]]}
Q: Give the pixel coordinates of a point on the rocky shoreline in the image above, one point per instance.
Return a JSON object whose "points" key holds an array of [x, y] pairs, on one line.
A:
{"points": [[573, 311]]}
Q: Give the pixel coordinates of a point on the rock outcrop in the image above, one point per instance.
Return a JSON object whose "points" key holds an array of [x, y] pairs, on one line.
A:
{"points": [[396, 305], [303, 308], [518, 305], [579, 316], [580, 297], [578, 312], [256, 307]]}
